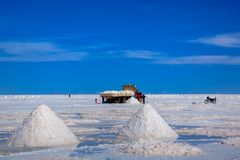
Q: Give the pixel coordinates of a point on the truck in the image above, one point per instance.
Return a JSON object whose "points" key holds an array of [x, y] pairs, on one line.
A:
{"points": [[122, 96]]}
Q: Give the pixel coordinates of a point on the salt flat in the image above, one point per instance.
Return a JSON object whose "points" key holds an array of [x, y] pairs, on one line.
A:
{"points": [[214, 128]]}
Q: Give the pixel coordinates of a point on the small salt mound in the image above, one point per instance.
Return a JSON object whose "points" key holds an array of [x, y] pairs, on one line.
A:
{"points": [[160, 149], [42, 128], [132, 100], [147, 124]]}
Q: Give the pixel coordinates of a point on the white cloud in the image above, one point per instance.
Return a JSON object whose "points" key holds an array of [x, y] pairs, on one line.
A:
{"points": [[202, 59], [28, 47], [140, 54], [37, 52], [47, 52], [231, 40], [160, 58]]}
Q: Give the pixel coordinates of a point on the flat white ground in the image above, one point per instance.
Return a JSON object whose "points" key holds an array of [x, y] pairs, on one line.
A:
{"points": [[214, 128]]}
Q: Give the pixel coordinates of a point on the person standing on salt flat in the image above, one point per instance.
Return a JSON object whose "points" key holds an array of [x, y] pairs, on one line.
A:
{"points": [[147, 124], [42, 128]]}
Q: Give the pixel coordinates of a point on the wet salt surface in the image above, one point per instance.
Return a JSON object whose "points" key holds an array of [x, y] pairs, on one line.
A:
{"points": [[195, 139], [199, 139], [86, 146], [102, 125], [4, 135], [92, 143], [106, 138], [104, 135], [182, 127], [5, 149], [82, 113], [99, 139], [86, 151]]}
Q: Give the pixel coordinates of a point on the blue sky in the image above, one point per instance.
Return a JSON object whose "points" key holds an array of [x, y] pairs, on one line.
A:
{"points": [[80, 46]]}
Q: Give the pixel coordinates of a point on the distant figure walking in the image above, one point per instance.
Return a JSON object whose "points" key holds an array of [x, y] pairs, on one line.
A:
{"points": [[96, 101], [69, 96]]}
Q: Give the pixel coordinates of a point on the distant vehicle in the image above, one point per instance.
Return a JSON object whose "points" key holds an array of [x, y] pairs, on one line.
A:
{"points": [[210, 100], [122, 96]]}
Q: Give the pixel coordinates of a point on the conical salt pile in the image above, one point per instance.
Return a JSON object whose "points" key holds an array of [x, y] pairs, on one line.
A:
{"points": [[147, 124], [42, 128], [133, 100]]}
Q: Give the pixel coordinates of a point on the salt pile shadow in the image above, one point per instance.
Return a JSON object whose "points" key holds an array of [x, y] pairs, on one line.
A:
{"points": [[199, 139], [4, 136], [99, 139], [196, 139], [86, 150], [105, 136], [97, 143], [7, 150]]}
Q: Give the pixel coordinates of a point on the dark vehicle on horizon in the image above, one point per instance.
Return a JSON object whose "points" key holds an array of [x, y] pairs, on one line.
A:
{"points": [[210, 100]]}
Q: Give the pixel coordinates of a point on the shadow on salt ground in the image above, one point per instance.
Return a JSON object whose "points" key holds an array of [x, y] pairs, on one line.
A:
{"points": [[4, 135], [196, 139], [94, 143], [182, 127], [199, 139], [86, 150], [98, 139], [97, 143], [102, 124], [89, 147], [69, 115], [7, 150]]}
